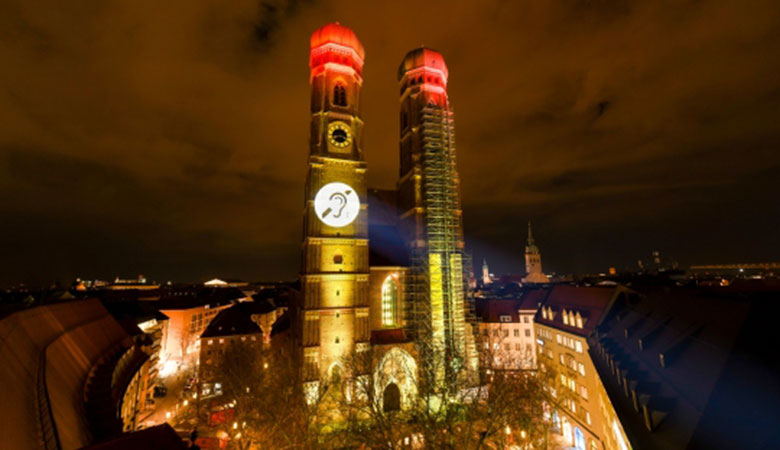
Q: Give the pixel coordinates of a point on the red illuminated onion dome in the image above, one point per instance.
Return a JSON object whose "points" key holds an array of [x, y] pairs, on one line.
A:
{"points": [[336, 45], [426, 65]]}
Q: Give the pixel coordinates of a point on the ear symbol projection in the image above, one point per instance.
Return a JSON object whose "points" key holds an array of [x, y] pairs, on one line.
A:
{"points": [[341, 199], [336, 204]]}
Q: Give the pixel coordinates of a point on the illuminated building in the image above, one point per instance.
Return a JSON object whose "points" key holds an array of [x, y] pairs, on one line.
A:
{"points": [[586, 418], [334, 278], [507, 330], [407, 287], [533, 262], [231, 327], [188, 316], [429, 203]]}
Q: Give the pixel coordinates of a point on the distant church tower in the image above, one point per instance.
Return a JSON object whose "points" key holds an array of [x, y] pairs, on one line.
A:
{"points": [[334, 273], [485, 273], [429, 202], [533, 261]]}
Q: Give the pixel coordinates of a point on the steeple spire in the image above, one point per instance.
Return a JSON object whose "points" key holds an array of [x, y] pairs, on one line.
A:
{"points": [[530, 235]]}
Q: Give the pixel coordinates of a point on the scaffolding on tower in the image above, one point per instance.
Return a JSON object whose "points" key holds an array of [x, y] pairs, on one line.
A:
{"points": [[440, 305]]}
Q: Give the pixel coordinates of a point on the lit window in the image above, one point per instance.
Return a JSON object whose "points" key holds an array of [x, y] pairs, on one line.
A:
{"points": [[578, 346], [565, 318], [581, 368], [211, 341], [389, 302]]}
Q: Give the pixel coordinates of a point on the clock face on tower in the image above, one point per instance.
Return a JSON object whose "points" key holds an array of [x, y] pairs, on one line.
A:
{"points": [[336, 204], [339, 135]]}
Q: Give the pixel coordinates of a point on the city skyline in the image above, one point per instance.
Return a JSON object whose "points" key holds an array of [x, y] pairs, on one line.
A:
{"points": [[174, 148]]}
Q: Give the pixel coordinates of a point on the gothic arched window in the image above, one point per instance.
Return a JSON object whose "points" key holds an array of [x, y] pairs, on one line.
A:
{"points": [[389, 302], [339, 95]]}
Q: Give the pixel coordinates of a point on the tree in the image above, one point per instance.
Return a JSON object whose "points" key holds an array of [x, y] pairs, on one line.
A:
{"points": [[500, 407], [265, 398]]}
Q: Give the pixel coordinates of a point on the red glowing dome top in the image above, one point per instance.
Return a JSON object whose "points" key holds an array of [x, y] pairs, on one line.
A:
{"points": [[337, 34], [423, 57]]}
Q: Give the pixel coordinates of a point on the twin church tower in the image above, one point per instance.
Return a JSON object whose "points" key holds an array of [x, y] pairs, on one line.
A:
{"points": [[412, 306]]}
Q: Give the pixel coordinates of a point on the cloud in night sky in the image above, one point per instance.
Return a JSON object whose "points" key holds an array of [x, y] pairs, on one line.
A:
{"points": [[170, 138]]}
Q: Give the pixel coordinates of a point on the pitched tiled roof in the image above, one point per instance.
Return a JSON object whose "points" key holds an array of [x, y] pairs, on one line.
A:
{"points": [[236, 320], [590, 302], [699, 364], [490, 310]]}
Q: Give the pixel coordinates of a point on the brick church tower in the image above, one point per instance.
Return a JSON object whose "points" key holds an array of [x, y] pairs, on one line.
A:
{"points": [[334, 272]]}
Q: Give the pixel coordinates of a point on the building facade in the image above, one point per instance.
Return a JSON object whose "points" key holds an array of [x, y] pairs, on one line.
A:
{"points": [[585, 416], [506, 327], [232, 327]]}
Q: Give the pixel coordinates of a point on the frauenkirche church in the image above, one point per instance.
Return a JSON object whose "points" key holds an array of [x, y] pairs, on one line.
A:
{"points": [[382, 270]]}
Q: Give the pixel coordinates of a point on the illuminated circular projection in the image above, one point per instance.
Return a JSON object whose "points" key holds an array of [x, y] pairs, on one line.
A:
{"points": [[336, 204]]}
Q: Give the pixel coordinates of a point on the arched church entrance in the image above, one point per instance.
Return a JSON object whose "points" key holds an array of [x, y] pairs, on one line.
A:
{"points": [[391, 399], [395, 380]]}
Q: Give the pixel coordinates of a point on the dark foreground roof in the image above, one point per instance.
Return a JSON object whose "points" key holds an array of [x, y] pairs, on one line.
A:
{"points": [[688, 368], [160, 437]]}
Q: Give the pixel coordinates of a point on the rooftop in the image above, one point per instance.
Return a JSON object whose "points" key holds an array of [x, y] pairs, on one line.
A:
{"points": [[233, 321], [589, 302], [337, 34], [697, 364], [423, 57]]}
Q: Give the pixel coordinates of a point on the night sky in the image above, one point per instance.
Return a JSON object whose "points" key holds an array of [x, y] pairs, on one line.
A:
{"points": [[170, 138]]}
